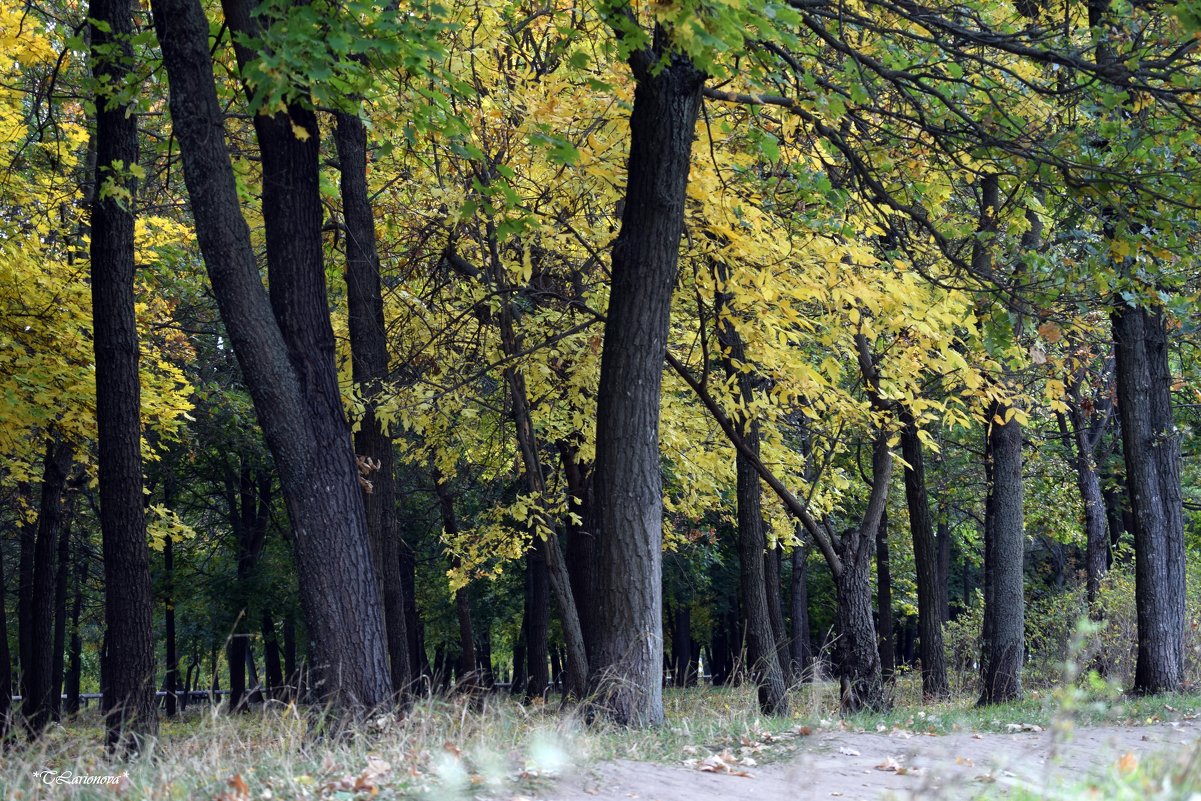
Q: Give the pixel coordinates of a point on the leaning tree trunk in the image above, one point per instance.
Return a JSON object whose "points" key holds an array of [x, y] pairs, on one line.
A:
{"points": [[628, 668], [1003, 638], [369, 365], [929, 607], [285, 347], [1151, 445], [128, 659]]}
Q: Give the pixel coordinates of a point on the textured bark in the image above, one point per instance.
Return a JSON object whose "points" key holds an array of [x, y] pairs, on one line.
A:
{"points": [[925, 555], [369, 366], [128, 686], [37, 671], [800, 648], [1003, 638], [1151, 445], [285, 346], [888, 654], [450, 526], [1087, 428], [580, 550], [74, 660], [61, 578], [772, 568], [537, 625], [627, 669]]}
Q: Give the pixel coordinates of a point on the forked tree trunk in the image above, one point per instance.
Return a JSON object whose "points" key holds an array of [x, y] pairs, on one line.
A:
{"points": [[285, 346]]}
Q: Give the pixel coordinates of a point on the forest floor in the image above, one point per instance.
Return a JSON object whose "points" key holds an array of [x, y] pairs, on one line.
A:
{"points": [[899, 764]]}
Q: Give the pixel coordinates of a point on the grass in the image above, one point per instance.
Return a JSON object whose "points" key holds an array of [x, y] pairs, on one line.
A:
{"points": [[448, 748]]}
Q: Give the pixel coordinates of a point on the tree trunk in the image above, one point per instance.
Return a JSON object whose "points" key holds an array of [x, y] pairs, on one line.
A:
{"points": [[271, 662], [888, 657], [172, 678], [944, 566], [369, 364], [581, 548], [6, 666], [627, 670], [37, 674], [74, 661], [1151, 445], [129, 663], [450, 525], [1003, 638], [801, 650], [291, 668], [772, 564], [537, 621], [285, 348], [929, 607]]}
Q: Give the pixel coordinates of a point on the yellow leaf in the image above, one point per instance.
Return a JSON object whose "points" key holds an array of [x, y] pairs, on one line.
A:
{"points": [[299, 131]]}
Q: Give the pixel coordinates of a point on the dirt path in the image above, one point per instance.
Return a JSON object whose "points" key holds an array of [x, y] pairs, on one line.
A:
{"points": [[843, 765]]}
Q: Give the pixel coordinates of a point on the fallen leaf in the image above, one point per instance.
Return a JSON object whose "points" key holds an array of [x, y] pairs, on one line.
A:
{"points": [[804, 731], [1128, 763], [889, 764]]}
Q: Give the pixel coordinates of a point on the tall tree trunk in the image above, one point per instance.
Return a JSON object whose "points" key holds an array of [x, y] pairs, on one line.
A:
{"points": [[1003, 639], [235, 658], [772, 567], [37, 674], [627, 669], [1151, 445], [929, 607], [369, 365], [450, 525], [129, 704], [801, 650], [285, 346], [172, 678], [681, 644], [581, 547], [888, 656], [944, 566], [291, 667]]}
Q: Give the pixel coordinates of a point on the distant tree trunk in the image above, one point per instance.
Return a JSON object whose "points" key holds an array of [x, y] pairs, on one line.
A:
{"points": [[129, 703], [944, 567], [248, 500], [408, 579], [520, 672], [74, 660], [1082, 441], [6, 665], [37, 674], [27, 539], [537, 620], [369, 363], [1151, 446], [763, 656], [171, 680], [291, 668], [1003, 638], [61, 579], [681, 644], [772, 568], [801, 651], [929, 606], [284, 344], [271, 662], [627, 670], [888, 657], [581, 548]]}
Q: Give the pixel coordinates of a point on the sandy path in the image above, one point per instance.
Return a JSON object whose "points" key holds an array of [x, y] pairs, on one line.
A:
{"points": [[842, 764]]}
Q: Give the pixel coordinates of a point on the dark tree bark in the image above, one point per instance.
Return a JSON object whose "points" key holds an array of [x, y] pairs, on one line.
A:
{"points": [[943, 541], [129, 663], [772, 568], [6, 665], [1003, 638], [1089, 419], [171, 681], [537, 622], [888, 656], [581, 548], [291, 667], [248, 500], [74, 660], [27, 540], [37, 672], [1151, 446], [681, 644], [61, 578], [271, 661], [929, 606], [284, 345], [627, 669], [801, 649], [369, 365], [450, 525]]}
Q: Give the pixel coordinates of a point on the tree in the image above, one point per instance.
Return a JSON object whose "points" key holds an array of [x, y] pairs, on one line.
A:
{"points": [[129, 664]]}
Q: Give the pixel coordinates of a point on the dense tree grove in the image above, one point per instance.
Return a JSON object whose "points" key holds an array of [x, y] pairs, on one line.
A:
{"points": [[351, 351]]}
